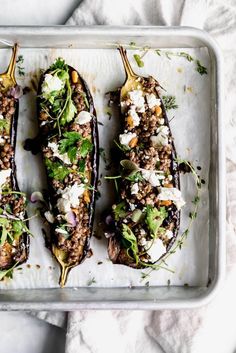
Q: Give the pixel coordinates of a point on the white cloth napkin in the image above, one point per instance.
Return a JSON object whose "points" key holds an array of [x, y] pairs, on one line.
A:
{"points": [[184, 331]]}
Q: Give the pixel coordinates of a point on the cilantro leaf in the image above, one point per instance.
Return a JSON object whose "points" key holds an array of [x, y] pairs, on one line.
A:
{"points": [[154, 219], [69, 112], [56, 170], [69, 144], [59, 63], [81, 165], [85, 147]]}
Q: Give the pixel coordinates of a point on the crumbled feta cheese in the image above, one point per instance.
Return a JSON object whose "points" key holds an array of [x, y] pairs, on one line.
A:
{"points": [[49, 216], [142, 242], [132, 206], [169, 234], [4, 174], [170, 177], [55, 150], [152, 100], [50, 84], [152, 177], [172, 194], [137, 100], [134, 189], [2, 140], [1, 117], [161, 121], [126, 138], [134, 116], [83, 118], [157, 249], [142, 231], [159, 140], [70, 197], [164, 129]]}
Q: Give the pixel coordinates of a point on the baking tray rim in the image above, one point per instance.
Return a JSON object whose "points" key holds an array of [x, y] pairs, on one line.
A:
{"points": [[143, 31]]}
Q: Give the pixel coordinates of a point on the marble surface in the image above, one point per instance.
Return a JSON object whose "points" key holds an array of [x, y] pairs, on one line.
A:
{"points": [[20, 332]]}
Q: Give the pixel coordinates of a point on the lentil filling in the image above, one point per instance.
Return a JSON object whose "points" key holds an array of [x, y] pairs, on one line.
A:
{"points": [[68, 133], [14, 241], [146, 214]]}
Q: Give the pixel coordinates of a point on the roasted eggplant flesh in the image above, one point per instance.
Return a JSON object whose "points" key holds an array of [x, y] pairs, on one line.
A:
{"points": [[14, 234], [68, 137], [144, 221]]}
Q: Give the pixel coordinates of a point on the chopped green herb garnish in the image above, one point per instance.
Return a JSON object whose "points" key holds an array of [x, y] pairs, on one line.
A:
{"points": [[57, 170], [169, 102], [5, 125], [138, 60], [154, 219], [20, 68], [91, 281], [119, 211], [69, 144], [130, 242], [202, 70], [85, 148]]}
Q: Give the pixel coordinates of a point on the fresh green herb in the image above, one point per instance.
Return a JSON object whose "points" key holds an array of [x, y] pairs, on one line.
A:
{"points": [[192, 215], [7, 273], [138, 60], [85, 99], [119, 211], [69, 144], [202, 70], [85, 148], [186, 56], [144, 275], [169, 102], [11, 229], [5, 125], [81, 165], [132, 44], [130, 242], [59, 104], [57, 170], [91, 281], [154, 219], [20, 68], [121, 147], [135, 177]]}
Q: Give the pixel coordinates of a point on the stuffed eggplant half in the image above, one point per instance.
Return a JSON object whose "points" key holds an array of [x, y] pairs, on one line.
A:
{"points": [[144, 222], [69, 143], [14, 232]]}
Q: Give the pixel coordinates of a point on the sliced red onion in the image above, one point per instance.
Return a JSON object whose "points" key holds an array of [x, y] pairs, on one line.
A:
{"points": [[16, 92], [70, 218], [36, 196]]}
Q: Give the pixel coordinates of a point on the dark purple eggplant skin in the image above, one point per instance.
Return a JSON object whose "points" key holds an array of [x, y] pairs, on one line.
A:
{"points": [[35, 146], [117, 253], [24, 241]]}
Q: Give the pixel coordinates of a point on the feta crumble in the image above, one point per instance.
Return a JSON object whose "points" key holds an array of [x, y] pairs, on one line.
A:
{"points": [[4, 174], [137, 100], [172, 194], [51, 84], [83, 117], [134, 116], [55, 150], [134, 189], [70, 197], [169, 234], [157, 250], [126, 138], [152, 177], [152, 100]]}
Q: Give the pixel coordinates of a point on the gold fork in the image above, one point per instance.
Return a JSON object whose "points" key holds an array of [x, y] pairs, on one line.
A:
{"points": [[7, 79]]}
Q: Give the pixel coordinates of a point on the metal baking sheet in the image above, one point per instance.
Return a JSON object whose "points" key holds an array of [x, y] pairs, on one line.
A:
{"points": [[92, 39]]}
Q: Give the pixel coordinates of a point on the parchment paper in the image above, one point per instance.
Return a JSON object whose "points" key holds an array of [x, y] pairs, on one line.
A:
{"points": [[103, 71]]}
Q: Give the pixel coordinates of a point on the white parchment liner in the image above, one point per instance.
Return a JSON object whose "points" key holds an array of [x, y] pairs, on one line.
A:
{"points": [[103, 71]]}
